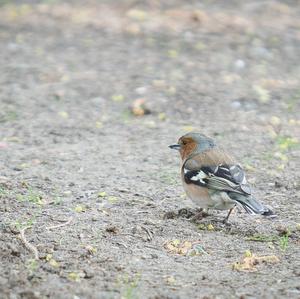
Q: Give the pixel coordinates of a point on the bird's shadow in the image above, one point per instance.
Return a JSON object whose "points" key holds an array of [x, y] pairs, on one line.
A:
{"points": [[211, 221], [196, 216]]}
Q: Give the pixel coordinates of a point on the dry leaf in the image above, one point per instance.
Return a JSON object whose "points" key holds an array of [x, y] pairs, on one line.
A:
{"points": [[53, 263], [171, 90], [112, 199], [170, 280], [172, 53], [262, 93], [249, 263], [12, 139], [74, 276], [139, 108], [99, 124], [90, 249], [248, 253], [294, 122], [162, 116], [188, 128], [117, 98], [79, 209], [158, 83], [48, 257], [210, 227], [275, 121], [63, 114], [200, 46], [184, 247], [102, 194], [137, 14], [249, 167]]}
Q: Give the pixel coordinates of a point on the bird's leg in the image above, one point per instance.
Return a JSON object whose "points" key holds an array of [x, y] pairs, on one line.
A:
{"points": [[225, 221]]}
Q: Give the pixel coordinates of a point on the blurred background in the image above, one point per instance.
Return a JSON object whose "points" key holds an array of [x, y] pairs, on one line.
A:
{"points": [[150, 71]]}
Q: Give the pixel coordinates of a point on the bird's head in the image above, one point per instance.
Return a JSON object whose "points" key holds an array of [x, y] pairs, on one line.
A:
{"points": [[192, 143]]}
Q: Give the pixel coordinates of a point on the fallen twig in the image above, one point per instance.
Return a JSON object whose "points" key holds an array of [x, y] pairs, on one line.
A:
{"points": [[60, 225], [274, 195], [28, 245], [149, 233]]}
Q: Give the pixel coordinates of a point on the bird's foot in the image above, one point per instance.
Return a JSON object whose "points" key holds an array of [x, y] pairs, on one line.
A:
{"points": [[226, 222]]}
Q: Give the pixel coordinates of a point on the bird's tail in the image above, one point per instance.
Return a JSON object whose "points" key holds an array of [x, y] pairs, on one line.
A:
{"points": [[251, 205]]}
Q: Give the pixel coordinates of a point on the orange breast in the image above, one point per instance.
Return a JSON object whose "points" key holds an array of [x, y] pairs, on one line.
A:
{"points": [[199, 195]]}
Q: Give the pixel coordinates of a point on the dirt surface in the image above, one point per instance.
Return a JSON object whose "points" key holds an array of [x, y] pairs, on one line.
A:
{"points": [[88, 184]]}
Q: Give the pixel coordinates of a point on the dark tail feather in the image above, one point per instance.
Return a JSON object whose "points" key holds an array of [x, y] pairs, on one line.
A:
{"points": [[251, 205], [269, 213]]}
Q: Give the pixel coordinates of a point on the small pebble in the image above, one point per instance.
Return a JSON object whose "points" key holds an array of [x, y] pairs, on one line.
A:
{"points": [[141, 90], [236, 104], [239, 64]]}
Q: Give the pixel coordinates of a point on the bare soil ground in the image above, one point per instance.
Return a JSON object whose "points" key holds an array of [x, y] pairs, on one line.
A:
{"points": [[89, 184]]}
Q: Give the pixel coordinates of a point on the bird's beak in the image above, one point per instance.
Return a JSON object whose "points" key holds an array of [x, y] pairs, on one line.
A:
{"points": [[175, 146]]}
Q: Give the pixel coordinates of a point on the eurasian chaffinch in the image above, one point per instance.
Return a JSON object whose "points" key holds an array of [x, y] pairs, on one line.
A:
{"points": [[212, 179]]}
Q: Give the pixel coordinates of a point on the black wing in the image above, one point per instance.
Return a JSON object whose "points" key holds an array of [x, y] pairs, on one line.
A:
{"points": [[222, 177]]}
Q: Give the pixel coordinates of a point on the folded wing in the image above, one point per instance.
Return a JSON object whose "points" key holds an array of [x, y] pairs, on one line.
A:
{"points": [[230, 178]]}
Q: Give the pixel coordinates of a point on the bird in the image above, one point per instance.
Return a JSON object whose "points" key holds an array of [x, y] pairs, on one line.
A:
{"points": [[212, 179]]}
